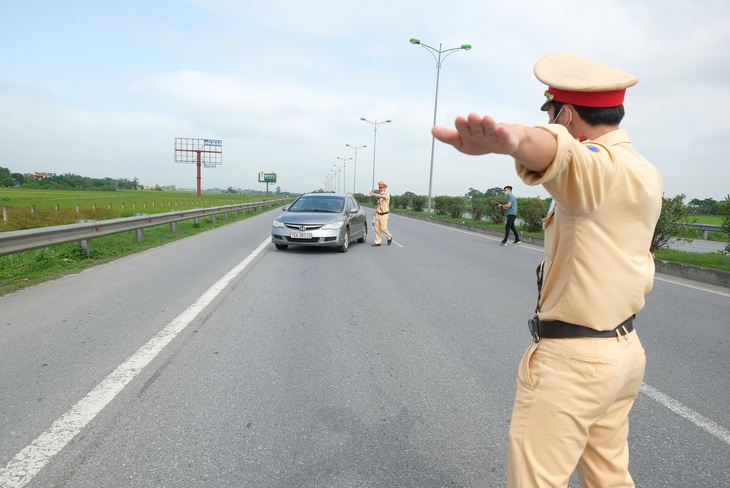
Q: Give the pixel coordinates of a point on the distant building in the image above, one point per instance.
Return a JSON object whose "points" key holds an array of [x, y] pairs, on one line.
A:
{"points": [[39, 175]]}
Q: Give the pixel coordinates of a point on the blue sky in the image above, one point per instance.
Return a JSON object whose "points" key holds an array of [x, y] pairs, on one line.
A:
{"points": [[102, 89]]}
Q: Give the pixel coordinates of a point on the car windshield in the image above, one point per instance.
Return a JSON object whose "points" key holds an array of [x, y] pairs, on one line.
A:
{"points": [[318, 204]]}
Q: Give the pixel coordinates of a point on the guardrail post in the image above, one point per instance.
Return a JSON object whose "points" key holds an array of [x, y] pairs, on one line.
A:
{"points": [[173, 227], [139, 234], [86, 246], [212, 219], [5, 213], [85, 243]]}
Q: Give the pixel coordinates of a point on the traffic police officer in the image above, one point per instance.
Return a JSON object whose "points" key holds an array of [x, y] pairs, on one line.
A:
{"points": [[380, 216], [579, 377]]}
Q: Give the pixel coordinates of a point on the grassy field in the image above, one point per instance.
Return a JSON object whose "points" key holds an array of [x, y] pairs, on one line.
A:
{"points": [[28, 209], [25, 269], [708, 219]]}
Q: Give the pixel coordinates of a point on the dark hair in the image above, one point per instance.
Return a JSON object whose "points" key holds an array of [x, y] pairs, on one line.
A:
{"points": [[510, 188], [601, 115], [595, 115]]}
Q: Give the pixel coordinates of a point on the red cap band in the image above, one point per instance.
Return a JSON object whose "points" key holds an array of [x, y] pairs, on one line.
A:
{"points": [[589, 99]]}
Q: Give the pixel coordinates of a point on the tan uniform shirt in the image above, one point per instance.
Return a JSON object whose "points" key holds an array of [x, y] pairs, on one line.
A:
{"points": [[384, 203], [608, 199]]}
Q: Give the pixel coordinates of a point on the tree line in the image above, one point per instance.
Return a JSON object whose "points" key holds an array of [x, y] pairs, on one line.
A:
{"points": [[66, 181], [674, 221]]}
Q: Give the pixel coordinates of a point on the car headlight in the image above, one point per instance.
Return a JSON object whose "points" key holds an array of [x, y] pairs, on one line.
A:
{"points": [[278, 223], [333, 225]]}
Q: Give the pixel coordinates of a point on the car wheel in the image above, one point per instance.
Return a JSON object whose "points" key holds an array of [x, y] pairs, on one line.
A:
{"points": [[281, 247], [364, 233], [345, 241]]}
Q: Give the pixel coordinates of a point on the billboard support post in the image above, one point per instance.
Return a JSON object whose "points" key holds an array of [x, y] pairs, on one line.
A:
{"points": [[267, 178], [207, 152]]}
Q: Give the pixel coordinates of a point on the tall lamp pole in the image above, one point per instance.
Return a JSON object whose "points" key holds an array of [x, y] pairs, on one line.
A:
{"points": [[354, 177], [328, 180], [439, 59], [375, 125], [344, 173], [338, 177]]}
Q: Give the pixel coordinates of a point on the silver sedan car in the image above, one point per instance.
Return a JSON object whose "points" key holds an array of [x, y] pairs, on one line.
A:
{"points": [[320, 219]]}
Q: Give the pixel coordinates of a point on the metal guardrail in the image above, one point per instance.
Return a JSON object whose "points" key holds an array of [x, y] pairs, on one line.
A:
{"points": [[705, 228], [83, 232]]}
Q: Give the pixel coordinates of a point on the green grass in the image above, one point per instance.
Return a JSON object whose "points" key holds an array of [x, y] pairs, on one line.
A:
{"points": [[59, 207], [20, 270], [708, 219], [713, 260]]}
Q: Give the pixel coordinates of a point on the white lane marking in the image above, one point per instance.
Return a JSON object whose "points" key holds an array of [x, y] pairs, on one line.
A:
{"points": [[683, 411], [696, 418], [694, 285], [34, 457]]}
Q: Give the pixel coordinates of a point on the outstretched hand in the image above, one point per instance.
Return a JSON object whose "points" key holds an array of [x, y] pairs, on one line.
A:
{"points": [[477, 135]]}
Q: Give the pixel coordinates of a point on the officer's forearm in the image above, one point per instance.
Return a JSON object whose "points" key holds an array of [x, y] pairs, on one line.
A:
{"points": [[537, 148]]}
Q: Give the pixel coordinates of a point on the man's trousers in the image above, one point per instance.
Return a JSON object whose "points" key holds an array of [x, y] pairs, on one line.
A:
{"points": [[571, 411]]}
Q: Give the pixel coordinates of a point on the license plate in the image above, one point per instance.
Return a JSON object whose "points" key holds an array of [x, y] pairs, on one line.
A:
{"points": [[301, 235]]}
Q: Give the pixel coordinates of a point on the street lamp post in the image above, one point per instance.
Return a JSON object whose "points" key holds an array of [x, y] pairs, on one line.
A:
{"points": [[354, 177], [328, 179], [439, 59], [375, 125], [338, 176], [344, 173]]}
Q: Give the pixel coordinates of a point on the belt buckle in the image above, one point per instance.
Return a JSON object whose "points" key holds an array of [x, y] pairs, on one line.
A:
{"points": [[534, 332]]}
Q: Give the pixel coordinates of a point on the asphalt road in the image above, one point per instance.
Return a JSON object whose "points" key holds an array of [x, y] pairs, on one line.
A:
{"points": [[218, 361]]}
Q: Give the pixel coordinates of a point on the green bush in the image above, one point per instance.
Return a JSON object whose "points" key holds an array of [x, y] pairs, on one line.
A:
{"points": [[672, 222], [724, 210], [451, 206], [531, 211], [492, 212], [399, 201], [477, 208], [418, 202]]}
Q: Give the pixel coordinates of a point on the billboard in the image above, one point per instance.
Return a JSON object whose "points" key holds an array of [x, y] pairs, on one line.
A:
{"points": [[267, 177]]}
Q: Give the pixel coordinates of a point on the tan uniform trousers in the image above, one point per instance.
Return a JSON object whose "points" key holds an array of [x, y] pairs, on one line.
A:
{"points": [[571, 411], [381, 225]]}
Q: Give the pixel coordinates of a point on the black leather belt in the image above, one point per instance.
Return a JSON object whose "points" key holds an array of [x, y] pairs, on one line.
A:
{"points": [[383, 213], [557, 329]]}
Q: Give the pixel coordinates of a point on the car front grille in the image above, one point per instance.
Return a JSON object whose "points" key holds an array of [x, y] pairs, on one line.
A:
{"points": [[303, 227]]}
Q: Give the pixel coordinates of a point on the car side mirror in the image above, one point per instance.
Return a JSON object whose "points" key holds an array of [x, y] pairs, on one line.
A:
{"points": [[285, 208]]}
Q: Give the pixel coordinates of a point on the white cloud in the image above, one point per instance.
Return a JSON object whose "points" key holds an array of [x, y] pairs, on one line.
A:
{"points": [[284, 84]]}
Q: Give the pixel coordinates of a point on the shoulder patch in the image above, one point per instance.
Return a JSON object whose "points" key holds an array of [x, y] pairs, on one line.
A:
{"points": [[591, 148]]}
